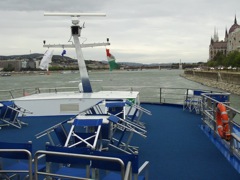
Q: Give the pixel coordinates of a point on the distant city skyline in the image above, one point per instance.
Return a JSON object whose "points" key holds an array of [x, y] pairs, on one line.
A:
{"points": [[139, 31]]}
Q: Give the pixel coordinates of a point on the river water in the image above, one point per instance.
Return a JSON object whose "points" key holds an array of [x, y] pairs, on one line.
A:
{"points": [[114, 80]]}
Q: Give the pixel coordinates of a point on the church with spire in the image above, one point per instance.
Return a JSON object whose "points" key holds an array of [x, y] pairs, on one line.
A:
{"points": [[230, 43]]}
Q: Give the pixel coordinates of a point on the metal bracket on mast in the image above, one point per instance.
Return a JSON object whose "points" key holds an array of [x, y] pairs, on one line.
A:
{"points": [[76, 32]]}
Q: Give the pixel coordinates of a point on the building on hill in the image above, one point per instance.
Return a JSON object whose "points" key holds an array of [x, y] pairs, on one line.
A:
{"points": [[230, 43], [10, 65], [18, 64]]}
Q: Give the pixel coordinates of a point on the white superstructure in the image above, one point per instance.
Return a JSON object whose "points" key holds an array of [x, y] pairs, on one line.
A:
{"points": [[70, 103]]}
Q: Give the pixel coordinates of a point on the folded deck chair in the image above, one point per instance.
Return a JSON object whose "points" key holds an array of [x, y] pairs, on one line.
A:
{"points": [[84, 131], [17, 160], [135, 112], [193, 101], [9, 113], [127, 110], [116, 107], [121, 137], [72, 133], [57, 134], [187, 100]]}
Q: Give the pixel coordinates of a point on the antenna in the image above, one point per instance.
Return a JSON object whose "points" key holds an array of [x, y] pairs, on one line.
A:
{"points": [[76, 32], [73, 14]]}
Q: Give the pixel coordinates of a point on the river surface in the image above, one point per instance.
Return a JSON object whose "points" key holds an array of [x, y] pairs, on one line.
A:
{"points": [[114, 80]]}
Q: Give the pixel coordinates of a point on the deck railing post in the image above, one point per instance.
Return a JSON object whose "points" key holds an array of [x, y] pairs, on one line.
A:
{"points": [[160, 91], [214, 107], [231, 149], [11, 94], [231, 116], [186, 95], [203, 110]]}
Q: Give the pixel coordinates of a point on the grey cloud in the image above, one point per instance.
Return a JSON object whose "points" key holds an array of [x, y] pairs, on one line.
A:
{"points": [[139, 30], [49, 5]]}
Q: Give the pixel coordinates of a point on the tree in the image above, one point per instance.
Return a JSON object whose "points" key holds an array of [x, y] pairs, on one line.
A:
{"points": [[232, 59], [219, 59], [211, 63]]}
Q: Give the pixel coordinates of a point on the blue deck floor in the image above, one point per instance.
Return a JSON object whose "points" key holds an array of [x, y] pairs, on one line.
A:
{"points": [[176, 146]]}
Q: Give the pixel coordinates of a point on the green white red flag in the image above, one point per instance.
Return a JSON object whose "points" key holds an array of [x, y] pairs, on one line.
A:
{"points": [[111, 61]]}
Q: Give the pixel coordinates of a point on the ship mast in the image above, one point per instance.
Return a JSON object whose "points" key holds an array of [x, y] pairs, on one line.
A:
{"points": [[76, 33]]}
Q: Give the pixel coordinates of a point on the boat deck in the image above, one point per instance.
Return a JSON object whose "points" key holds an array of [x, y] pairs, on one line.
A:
{"points": [[176, 146]]}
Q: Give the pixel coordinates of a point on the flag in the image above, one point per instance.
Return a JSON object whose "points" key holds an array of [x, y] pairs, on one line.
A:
{"points": [[111, 61], [47, 58], [64, 52]]}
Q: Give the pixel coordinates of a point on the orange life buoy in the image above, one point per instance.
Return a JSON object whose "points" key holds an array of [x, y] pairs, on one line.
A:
{"points": [[222, 121]]}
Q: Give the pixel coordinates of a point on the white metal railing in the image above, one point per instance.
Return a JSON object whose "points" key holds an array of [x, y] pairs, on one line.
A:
{"points": [[71, 156], [156, 94], [15, 93], [209, 111], [153, 94]]}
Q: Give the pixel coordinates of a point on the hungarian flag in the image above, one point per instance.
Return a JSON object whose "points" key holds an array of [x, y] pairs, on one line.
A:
{"points": [[111, 61]]}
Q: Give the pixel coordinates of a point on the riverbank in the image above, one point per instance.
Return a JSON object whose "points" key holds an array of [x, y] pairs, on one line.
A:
{"points": [[228, 87], [36, 73]]}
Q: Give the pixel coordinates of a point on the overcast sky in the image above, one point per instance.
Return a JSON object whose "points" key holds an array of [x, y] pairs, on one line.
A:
{"points": [[145, 31]]}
